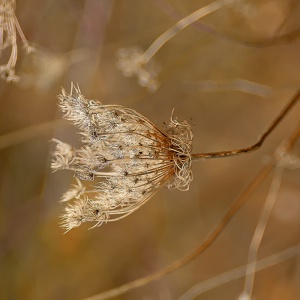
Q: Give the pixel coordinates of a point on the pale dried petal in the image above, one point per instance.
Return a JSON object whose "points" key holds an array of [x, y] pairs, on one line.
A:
{"points": [[77, 190]]}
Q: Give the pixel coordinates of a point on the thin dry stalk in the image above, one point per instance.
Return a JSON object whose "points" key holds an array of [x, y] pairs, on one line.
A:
{"points": [[24, 134], [276, 39], [239, 272], [284, 161], [238, 84], [260, 141], [259, 231], [180, 25]]}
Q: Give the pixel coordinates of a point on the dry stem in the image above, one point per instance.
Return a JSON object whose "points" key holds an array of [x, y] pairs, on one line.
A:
{"points": [[276, 39], [24, 134], [180, 25], [260, 141], [260, 229], [239, 272]]}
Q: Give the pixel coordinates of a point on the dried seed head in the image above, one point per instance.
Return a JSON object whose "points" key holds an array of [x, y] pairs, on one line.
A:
{"points": [[8, 38], [131, 63], [126, 156]]}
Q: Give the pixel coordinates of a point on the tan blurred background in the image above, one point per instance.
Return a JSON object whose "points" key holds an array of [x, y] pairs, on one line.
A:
{"points": [[200, 69]]}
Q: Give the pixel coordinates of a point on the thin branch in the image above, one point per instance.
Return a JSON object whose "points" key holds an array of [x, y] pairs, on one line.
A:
{"points": [[239, 272], [180, 25], [260, 229], [237, 84], [260, 141], [235, 206], [24, 134], [207, 28]]}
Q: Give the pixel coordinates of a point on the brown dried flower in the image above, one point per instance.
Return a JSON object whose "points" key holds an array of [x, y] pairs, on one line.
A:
{"points": [[9, 26], [125, 155]]}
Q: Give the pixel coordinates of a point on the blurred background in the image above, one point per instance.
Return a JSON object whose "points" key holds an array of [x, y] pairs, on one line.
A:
{"points": [[228, 75]]}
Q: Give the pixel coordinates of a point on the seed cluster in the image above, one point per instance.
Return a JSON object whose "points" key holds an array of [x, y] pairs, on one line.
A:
{"points": [[125, 156]]}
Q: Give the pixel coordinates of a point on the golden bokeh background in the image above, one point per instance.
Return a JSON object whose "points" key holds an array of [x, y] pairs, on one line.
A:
{"points": [[204, 70]]}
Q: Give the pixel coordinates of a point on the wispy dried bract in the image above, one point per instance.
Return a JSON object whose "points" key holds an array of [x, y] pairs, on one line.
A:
{"points": [[9, 26], [132, 63], [125, 156]]}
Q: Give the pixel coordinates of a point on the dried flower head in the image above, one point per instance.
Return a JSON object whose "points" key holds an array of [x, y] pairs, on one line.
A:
{"points": [[125, 156], [9, 26], [131, 62]]}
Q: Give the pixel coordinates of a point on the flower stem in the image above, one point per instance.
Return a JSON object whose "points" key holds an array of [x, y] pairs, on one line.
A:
{"points": [[180, 25], [261, 139]]}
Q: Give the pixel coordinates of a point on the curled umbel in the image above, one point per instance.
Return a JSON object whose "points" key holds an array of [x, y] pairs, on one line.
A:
{"points": [[123, 161]]}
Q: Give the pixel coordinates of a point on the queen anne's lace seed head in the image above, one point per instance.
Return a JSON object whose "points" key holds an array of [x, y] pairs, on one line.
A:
{"points": [[125, 155]]}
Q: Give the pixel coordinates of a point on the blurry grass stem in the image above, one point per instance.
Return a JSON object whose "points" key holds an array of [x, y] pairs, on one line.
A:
{"points": [[24, 134], [239, 272], [284, 161], [259, 231], [237, 84], [276, 39], [180, 25]]}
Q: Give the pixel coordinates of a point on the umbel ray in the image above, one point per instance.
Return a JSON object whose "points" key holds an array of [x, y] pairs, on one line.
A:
{"points": [[126, 158]]}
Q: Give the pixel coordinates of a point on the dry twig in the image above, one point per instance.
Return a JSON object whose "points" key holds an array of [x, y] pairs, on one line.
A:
{"points": [[239, 272]]}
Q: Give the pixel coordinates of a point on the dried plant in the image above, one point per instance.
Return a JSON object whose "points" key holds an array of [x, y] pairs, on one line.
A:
{"points": [[126, 156], [133, 61], [9, 26]]}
